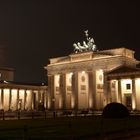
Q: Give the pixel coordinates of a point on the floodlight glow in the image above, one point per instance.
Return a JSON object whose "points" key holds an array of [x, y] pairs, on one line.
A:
{"points": [[83, 72]]}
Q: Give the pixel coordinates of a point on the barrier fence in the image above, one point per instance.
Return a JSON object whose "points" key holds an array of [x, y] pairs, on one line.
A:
{"points": [[17, 115], [9, 115]]}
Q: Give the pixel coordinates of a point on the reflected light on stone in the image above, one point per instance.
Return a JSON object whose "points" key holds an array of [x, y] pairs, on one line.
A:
{"points": [[0, 100], [49, 103], [100, 70], [57, 80], [28, 91], [60, 103], [72, 103], [90, 103], [83, 72], [71, 73], [133, 104], [14, 91], [6, 99], [138, 80]]}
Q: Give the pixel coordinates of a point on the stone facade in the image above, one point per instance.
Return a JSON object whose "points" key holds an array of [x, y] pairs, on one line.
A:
{"points": [[84, 81], [15, 96], [20, 96]]}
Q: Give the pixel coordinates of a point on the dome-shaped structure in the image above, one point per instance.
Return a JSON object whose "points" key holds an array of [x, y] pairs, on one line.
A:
{"points": [[115, 110]]}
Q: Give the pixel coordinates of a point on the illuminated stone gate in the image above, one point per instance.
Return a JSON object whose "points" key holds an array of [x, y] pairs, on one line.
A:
{"points": [[89, 80]]}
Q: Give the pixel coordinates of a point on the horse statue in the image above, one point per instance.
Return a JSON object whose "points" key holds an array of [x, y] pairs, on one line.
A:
{"points": [[89, 46]]}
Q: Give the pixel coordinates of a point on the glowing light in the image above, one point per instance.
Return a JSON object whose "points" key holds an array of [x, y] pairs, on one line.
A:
{"points": [[71, 73], [5, 82], [138, 80], [90, 103], [6, 99], [57, 80], [72, 103], [60, 103], [133, 104], [28, 91], [83, 72], [14, 99], [49, 104]]}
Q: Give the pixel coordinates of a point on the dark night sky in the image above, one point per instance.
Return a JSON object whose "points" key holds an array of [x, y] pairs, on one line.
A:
{"points": [[33, 31]]}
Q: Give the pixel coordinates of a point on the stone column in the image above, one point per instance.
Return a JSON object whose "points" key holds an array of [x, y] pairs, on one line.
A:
{"points": [[32, 100], [51, 97], [2, 98], [119, 91], [75, 89], [30, 107], [45, 98], [49, 92], [91, 90], [133, 94], [10, 98], [17, 99], [46, 93], [25, 99], [107, 90], [63, 90]]}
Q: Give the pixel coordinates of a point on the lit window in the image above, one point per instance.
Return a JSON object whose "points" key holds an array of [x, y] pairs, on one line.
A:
{"points": [[128, 86]]}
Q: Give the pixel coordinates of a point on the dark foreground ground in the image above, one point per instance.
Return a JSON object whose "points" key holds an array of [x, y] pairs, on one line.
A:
{"points": [[70, 128]]}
